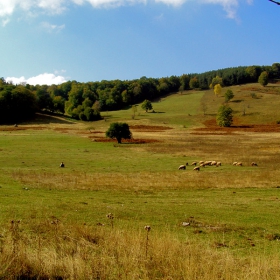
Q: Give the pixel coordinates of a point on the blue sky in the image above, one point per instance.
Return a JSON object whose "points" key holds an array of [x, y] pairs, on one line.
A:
{"points": [[52, 41]]}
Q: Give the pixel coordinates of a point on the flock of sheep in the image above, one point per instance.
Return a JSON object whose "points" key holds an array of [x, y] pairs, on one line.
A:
{"points": [[199, 164]]}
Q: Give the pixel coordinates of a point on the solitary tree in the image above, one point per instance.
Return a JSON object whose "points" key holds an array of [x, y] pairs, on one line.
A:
{"points": [[224, 117], [147, 105], [263, 78], [228, 95], [217, 89], [118, 131], [204, 107]]}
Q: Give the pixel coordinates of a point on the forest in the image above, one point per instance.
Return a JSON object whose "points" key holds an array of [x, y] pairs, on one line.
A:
{"points": [[85, 101]]}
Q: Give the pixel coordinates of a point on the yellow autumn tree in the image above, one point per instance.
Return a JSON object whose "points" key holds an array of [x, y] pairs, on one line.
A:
{"points": [[217, 89]]}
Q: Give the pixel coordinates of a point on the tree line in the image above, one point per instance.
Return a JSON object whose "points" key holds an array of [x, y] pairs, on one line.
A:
{"points": [[85, 101]]}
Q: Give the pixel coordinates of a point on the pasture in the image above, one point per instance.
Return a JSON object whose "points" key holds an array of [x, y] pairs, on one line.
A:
{"points": [[217, 223]]}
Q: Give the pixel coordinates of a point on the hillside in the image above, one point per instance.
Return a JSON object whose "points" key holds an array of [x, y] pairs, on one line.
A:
{"points": [[89, 219]]}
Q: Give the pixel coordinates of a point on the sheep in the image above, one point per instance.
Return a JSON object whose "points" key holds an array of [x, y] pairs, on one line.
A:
{"points": [[194, 163], [218, 164], [201, 162], [197, 168], [234, 163], [239, 164], [213, 162], [181, 167], [254, 164], [208, 162], [62, 164]]}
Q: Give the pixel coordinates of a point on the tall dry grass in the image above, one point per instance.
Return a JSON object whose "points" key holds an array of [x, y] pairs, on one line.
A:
{"points": [[52, 250]]}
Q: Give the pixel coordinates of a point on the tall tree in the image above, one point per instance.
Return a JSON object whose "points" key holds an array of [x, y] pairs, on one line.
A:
{"points": [[263, 78], [225, 116], [228, 95], [217, 89]]}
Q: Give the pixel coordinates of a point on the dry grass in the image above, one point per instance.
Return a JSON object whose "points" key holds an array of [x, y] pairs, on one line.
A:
{"points": [[56, 251]]}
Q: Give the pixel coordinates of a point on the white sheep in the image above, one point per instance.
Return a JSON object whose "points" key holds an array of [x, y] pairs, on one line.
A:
{"points": [[194, 163], [218, 164], [197, 168], [181, 167]]}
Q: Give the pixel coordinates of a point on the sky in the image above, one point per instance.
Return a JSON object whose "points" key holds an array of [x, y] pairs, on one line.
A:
{"points": [[54, 41]]}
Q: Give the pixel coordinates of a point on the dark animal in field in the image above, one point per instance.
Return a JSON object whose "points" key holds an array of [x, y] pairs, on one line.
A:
{"points": [[62, 164], [254, 164], [181, 167]]}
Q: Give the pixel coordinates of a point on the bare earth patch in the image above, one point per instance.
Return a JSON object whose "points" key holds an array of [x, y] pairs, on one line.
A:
{"points": [[149, 128], [212, 127]]}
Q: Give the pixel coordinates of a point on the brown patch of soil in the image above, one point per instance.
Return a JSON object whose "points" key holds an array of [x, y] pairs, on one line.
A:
{"points": [[9, 128], [127, 141], [149, 128], [212, 127]]}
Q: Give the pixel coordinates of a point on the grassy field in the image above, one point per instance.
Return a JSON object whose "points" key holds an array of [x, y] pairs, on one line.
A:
{"points": [[218, 223]]}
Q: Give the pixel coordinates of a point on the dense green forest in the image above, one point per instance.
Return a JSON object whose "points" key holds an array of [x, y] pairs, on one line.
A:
{"points": [[85, 101]]}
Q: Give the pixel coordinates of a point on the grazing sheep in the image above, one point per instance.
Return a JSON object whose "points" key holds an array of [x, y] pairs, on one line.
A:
{"points": [[234, 163], [181, 167], [208, 162], [201, 162], [239, 164], [197, 168], [202, 165], [194, 163], [62, 164], [213, 162], [218, 164], [254, 164]]}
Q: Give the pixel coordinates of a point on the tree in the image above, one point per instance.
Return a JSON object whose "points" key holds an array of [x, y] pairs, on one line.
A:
{"points": [[224, 117], [147, 105], [118, 131], [217, 89], [194, 83], [215, 81], [228, 95], [134, 110], [263, 78], [204, 107]]}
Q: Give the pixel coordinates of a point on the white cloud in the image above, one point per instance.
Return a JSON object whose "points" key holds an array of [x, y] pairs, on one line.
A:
{"points": [[5, 21], [7, 7], [230, 6], [42, 79], [52, 27]]}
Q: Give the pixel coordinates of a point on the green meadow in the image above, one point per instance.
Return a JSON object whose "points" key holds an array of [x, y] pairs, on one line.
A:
{"points": [[216, 223]]}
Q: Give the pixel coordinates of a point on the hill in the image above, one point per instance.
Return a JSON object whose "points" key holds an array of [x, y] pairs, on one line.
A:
{"points": [[89, 219]]}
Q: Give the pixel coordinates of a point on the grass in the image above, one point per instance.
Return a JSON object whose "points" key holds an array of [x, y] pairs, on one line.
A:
{"points": [[230, 213]]}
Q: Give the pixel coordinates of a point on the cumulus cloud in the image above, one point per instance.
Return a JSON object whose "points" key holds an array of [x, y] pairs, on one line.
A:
{"points": [[42, 79], [7, 7]]}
